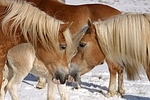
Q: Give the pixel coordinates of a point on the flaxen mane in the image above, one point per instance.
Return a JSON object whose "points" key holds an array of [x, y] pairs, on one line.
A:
{"points": [[33, 23], [125, 40]]}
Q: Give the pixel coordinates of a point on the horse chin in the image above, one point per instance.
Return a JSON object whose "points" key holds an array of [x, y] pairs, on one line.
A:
{"points": [[54, 80], [71, 79]]}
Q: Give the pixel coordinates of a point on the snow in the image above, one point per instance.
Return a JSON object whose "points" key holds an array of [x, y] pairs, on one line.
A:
{"points": [[94, 87], [140, 6]]}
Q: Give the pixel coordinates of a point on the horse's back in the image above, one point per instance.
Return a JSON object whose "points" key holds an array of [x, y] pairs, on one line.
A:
{"points": [[67, 12], [78, 14], [101, 11]]}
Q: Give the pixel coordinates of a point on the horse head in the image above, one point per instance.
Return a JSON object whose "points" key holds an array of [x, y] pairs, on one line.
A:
{"points": [[88, 53], [57, 57]]}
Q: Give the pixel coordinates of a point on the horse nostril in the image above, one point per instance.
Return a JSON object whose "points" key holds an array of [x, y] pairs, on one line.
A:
{"points": [[57, 77], [74, 75], [62, 78], [61, 75], [66, 77]]}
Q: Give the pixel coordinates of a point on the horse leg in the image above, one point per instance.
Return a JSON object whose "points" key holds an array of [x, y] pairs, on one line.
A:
{"points": [[14, 82], [51, 89], [19, 73], [41, 83], [3, 89], [148, 73], [62, 92], [78, 83], [4, 83], [12, 86], [1, 75], [2, 64], [112, 82], [121, 90]]}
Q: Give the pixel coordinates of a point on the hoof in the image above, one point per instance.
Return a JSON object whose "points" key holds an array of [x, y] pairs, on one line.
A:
{"points": [[109, 94], [40, 86], [121, 92], [68, 83], [78, 86]]}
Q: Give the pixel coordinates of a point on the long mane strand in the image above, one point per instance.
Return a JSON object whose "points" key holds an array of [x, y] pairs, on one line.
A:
{"points": [[125, 40]]}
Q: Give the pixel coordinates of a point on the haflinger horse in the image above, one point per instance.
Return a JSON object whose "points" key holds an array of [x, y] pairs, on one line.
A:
{"points": [[21, 60], [79, 14], [51, 38], [88, 55], [122, 39]]}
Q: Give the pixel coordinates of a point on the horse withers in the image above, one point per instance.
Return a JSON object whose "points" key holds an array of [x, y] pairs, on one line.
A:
{"points": [[23, 22]]}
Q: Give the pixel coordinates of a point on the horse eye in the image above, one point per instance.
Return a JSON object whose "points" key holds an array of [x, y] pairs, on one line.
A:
{"points": [[62, 46], [81, 44]]}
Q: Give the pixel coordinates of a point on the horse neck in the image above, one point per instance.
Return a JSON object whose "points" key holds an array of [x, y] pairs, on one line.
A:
{"points": [[7, 42], [54, 9], [6, 37]]}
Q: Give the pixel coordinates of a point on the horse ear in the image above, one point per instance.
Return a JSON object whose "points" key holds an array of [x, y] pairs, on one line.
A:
{"points": [[89, 22], [65, 26], [91, 27]]}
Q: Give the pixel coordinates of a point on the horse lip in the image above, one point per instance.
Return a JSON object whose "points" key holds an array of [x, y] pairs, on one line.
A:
{"points": [[76, 76], [55, 81], [61, 75], [74, 71]]}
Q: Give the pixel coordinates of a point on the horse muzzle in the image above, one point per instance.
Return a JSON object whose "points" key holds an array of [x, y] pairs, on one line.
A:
{"points": [[60, 76], [74, 73]]}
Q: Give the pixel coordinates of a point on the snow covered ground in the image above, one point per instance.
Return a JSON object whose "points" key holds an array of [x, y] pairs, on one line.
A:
{"points": [[94, 88], [140, 6]]}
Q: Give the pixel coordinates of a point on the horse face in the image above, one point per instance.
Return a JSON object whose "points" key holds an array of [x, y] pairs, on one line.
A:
{"points": [[56, 61], [88, 55]]}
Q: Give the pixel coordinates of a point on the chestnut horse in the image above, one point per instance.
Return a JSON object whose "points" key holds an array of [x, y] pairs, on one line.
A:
{"points": [[79, 14], [21, 60], [89, 55], [129, 33], [123, 40], [23, 22]]}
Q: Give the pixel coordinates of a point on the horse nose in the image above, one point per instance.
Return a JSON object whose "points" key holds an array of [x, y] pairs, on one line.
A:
{"points": [[74, 72], [61, 76]]}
